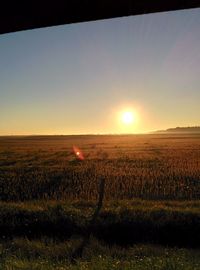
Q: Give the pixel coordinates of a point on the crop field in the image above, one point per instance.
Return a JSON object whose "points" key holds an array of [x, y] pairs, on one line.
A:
{"points": [[157, 167], [150, 217]]}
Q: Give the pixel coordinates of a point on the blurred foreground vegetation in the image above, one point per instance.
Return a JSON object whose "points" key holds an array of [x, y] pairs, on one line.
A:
{"points": [[125, 222], [48, 254]]}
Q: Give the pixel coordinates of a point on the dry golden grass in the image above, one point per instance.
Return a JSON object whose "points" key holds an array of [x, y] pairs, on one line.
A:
{"points": [[135, 166]]}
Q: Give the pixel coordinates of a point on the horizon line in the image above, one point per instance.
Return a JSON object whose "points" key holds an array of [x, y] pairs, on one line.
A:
{"points": [[101, 134], [96, 134], [77, 134]]}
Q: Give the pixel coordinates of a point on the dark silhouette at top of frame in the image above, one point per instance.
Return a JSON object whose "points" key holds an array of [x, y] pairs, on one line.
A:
{"points": [[30, 14]]}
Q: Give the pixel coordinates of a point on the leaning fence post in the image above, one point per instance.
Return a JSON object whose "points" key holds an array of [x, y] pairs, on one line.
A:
{"points": [[79, 251]]}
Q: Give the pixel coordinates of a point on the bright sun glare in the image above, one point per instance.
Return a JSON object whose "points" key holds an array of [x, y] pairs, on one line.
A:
{"points": [[128, 118]]}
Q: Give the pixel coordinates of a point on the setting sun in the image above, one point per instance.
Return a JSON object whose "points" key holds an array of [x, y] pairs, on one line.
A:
{"points": [[128, 117]]}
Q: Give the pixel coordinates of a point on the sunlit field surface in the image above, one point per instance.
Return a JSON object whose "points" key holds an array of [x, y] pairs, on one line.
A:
{"points": [[157, 167], [150, 217]]}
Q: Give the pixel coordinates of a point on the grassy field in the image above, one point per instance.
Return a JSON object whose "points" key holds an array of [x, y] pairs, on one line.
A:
{"points": [[48, 254], [150, 217], [157, 167]]}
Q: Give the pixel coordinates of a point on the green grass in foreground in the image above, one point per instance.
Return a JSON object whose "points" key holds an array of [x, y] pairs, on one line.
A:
{"points": [[120, 222], [48, 254]]}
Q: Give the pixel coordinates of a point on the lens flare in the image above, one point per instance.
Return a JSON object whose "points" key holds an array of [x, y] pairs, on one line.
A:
{"points": [[78, 153]]}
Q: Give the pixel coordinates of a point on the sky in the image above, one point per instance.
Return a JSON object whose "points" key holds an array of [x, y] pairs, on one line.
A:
{"points": [[80, 78]]}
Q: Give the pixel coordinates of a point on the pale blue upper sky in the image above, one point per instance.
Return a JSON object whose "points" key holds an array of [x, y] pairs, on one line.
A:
{"points": [[77, 78]]}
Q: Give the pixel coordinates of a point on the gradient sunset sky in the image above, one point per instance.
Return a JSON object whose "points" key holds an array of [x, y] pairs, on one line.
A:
{"points": [[78, 78]]}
